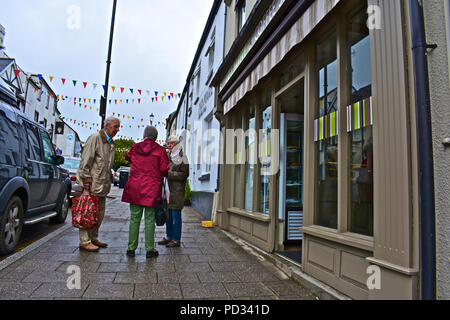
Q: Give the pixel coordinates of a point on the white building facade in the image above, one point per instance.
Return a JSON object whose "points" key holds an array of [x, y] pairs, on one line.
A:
{"points": [[195, 114]]}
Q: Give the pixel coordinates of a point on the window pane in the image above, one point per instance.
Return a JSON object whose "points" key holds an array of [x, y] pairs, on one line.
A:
{"points": [[34, 150], [49, 152], [9, 139], [250, 140], [264, 154], [237, 164], [209, 143], [361, 161], [327, 149]]}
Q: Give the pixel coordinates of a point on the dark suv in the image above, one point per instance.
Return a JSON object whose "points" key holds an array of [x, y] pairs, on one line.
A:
{"points": [[32, 185]]}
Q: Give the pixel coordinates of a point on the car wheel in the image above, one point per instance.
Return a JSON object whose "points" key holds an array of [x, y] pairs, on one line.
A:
{"points": [[11, 224], [63, 209]]}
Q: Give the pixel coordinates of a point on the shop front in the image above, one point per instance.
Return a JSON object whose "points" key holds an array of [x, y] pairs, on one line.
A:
{"points": [[318, 146]]}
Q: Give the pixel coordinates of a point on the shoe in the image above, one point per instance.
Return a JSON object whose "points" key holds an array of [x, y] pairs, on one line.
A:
{"points": [[152, 253], [89, 247], [131, 253], [164, 241], [173, 244], [100, 244]]}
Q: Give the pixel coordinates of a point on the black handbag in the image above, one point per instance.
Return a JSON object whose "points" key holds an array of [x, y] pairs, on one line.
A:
{"points": [[162, 210]]}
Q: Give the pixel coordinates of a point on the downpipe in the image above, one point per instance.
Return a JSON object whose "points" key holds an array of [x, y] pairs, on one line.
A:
{"points": [[425, 152]]}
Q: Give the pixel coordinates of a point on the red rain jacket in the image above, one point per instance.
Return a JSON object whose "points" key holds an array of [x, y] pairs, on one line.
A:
{"points": [[149, 164]]}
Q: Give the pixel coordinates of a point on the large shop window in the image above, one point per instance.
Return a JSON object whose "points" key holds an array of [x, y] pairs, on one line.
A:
{"points": [[264, 155], [237, 163], [325, 134], [359, 124], [250, 144]]}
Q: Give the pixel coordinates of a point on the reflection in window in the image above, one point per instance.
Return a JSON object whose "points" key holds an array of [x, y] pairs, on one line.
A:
{"points": [[9, 140], [34, 148], [265, 154], [241, 14], [361, 160], [209, 146], [327, 148], [250, 143], [49, 152], [237, 167]]}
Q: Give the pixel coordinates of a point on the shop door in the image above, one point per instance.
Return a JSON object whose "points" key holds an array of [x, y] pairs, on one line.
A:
{"points": [[292, 176]]}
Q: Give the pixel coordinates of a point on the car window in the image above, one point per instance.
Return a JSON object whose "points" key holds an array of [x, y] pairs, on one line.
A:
{"points": [[34, 147], [49, 152], [9, 139], [71, 164]]}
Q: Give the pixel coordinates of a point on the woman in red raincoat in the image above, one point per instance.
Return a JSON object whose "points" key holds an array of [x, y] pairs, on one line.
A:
{"points": [[149, 164]]}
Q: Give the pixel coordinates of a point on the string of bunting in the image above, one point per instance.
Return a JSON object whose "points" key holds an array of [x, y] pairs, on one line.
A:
{"points": [[89, 124], [157, 94]]}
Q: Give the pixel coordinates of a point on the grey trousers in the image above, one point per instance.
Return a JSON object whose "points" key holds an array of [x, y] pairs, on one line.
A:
{"points": [[87, 236]]}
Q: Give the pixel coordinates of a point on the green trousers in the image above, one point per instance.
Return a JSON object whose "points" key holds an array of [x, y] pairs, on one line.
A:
{"points": [[135, 222]]}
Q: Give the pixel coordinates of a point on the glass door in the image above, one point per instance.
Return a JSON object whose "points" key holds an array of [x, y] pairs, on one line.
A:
{"points": [[291, 178]]}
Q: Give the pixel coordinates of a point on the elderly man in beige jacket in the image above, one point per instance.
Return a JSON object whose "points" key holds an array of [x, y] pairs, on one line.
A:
{"points": [[94, 174]]}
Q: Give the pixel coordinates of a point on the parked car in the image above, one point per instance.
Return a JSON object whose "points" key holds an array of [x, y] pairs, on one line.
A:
{"points": [[117, 174], [71, 165], [33, 186]]}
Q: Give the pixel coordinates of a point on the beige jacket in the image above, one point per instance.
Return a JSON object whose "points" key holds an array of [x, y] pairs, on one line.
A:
{"points": [[96, 163]]}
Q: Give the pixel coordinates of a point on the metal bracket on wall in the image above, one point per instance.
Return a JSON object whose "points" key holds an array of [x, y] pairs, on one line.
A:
{"points": [[431, 47]]}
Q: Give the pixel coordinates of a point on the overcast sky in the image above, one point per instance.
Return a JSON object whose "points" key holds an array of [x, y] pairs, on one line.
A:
{"points": [[154, 45]]}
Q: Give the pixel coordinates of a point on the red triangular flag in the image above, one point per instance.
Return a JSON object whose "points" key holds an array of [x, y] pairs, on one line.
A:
{"points": [[84, 84], [139, 100], [17, 73], [63, 80], [121, 90], [140, 91]]}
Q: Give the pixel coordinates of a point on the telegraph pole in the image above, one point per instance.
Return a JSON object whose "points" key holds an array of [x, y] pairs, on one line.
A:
{"points": [[104, 98]]}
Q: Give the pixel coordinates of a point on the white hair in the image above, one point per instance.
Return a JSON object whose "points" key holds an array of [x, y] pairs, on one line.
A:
{"points": [[111, 120], [173, 138]]}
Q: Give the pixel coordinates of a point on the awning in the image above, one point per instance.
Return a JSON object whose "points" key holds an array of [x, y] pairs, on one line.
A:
{"points": [[295, 35]]}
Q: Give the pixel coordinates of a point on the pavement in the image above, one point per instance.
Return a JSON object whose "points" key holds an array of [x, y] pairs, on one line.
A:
{"points": [[208, 265]]}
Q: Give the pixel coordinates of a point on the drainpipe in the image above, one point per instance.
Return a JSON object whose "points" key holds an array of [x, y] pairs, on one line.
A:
{"points": [[425, 152]]}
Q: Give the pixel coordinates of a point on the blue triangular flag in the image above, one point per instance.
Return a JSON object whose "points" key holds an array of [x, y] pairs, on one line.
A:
{"points": [[156, 93]]}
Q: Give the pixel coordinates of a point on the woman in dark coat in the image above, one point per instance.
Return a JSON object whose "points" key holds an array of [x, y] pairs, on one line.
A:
{"points": [[177, 176], [149, 164]]}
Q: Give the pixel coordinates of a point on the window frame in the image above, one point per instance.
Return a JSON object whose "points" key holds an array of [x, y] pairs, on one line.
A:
{"points": [[341, 234]]}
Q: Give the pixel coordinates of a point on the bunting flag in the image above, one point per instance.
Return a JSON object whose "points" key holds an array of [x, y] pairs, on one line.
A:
{"points": [[325, 127], [113, 88], [360, 115], [63, 81], [51, 78], [121, 90], [85, 84], [94, 85], [74, 82]]}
